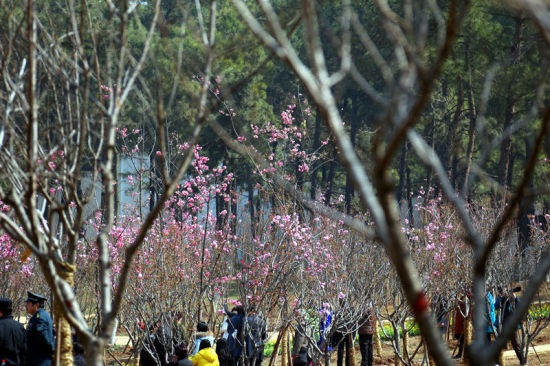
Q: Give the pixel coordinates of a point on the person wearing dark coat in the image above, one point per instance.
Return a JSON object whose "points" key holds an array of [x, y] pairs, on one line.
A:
{"points": [[78, 354], [341, 342], [224, 354], [40, 341], [302, 334], [235, 330], [367, 327], [181, 356], [12, 336], [154, 350], [255, 339], [439, 307], [506, 304], [302, 358]]}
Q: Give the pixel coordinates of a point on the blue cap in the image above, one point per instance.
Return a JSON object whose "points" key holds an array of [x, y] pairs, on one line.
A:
{"points": [[31, 296]]}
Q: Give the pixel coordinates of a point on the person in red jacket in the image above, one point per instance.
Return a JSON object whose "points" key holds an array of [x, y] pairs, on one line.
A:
{"points": [[461, 311]]}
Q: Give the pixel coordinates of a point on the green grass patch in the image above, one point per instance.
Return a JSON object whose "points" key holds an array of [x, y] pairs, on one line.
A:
{"points": [[388, 333]]}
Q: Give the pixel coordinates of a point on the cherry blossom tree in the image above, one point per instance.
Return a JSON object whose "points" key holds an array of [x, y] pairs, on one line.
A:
{"points": [[62, 105], [410, 74]]}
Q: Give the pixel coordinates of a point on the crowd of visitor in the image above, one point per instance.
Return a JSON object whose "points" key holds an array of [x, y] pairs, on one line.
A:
{"points": [[244, 334], [243, 340]]}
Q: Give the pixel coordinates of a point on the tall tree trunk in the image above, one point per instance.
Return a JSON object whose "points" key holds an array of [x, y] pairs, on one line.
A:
{"points": [[471, 132], [430, 133], [401, 188], [526, 208], [377, 341], [95, 352], [468, 331], [510, 176], [405, 343], [221, 204], [250, 189], [506, 147], [448, 150], [284, 348], [116, 163], [348, 193], [316, 145], [330, 177], [152, 182], [274, 152], [408, 196], [64, 339], [233, 204], [350, 351]]}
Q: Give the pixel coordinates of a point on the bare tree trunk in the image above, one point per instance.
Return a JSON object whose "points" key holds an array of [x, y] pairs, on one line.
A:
{"points": [[377, 341], [330, 177], [273, 359], [405, 344], [450, 140], [430, 137], [468, 332], [250, 189], [63, 340], [401, 192], [353, 132], [471, 130], [506, 147], [284, 348], [94, 352], [316, 145], [526, 208], [350, 351]]}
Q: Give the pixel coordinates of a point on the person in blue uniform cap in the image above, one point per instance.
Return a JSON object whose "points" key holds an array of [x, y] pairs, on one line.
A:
{"points": [[40, 341]]}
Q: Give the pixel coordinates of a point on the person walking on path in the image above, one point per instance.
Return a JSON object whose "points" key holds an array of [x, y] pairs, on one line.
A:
{"points": [[325, 323], [12, 336], [490, 315], [303, 334], [206, 356], [507, 304], [224, 354], [40, 341], [235, 330], [180, 356], [367, 327], [461, 311], [256, 334], [202, 333]]}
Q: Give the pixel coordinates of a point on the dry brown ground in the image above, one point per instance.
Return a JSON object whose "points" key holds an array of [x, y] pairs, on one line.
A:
{"points": [[541, 357]]}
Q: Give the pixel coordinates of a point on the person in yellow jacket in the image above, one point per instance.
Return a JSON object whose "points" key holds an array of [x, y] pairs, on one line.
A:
{"points": [[206, 356]]}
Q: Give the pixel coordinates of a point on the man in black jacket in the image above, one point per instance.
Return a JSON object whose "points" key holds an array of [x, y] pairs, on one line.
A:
{"points": [[12, 336]]}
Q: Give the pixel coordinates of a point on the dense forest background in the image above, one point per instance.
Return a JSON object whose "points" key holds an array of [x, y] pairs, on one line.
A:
{"points": [[494, 67]]}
